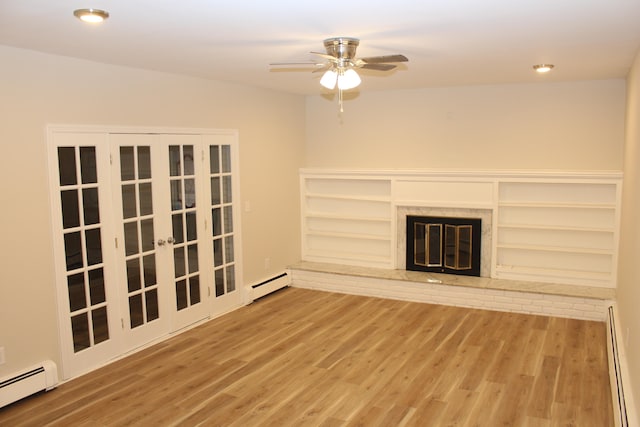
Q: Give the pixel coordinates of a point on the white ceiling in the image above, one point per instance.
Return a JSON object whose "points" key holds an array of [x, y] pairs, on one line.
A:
{"points": [[448, 42]]}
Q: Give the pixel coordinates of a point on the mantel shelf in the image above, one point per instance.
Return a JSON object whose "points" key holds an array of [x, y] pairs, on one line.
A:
{"points": [[346, 217], [381, 199], [348, 235]]}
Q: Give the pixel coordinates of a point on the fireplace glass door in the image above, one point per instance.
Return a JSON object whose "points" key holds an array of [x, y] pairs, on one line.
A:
{"points": [[444, 245]]}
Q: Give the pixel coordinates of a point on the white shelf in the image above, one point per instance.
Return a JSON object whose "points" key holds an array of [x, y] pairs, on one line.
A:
{"points": [[556, 228], [557, 205], [557, 231], [349, 258], [579, 277], [563, 232], [347, 220], [573, 250]]}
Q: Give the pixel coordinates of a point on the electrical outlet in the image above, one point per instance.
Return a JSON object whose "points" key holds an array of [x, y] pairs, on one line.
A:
{"points": [[2, 359]]}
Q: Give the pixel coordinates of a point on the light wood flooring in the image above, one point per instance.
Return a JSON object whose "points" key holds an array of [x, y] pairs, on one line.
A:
{"points": [[309, 358]]}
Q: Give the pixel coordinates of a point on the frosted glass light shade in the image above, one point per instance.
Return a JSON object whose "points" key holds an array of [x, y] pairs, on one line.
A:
{"points": [[329, 79], [543, 68], [348, 80], [93, 16]]}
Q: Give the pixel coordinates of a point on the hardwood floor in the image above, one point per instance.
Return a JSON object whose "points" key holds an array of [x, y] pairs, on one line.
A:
{"points": [[301, 357]]}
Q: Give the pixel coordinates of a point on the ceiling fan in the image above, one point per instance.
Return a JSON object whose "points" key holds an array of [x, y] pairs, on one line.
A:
{"points": [[340, 64]]}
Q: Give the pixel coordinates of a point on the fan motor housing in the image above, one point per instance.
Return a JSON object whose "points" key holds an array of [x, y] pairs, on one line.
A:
{"points": [[342, 47]]}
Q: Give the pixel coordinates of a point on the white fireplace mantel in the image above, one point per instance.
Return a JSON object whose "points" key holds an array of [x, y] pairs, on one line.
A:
{"points": [[546, 226]]}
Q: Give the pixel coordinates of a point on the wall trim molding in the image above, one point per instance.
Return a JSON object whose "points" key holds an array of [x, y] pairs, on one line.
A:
{"points": [[625, 412], [468, 173]]}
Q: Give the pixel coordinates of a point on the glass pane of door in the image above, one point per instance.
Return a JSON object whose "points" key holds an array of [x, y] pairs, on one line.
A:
{"points": [[82, 235], [184, 225], [138, 224], [221, 205]]}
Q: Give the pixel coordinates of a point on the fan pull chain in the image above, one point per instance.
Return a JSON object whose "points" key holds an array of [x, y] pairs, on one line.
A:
{"points": [[340, 100]]}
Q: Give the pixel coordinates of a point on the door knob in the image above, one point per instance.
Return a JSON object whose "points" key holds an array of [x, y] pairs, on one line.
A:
{"points": [[171, 240], [161, 242]]}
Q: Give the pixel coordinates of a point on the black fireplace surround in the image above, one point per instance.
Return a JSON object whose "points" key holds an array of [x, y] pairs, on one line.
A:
{"points": [[444, 245]]}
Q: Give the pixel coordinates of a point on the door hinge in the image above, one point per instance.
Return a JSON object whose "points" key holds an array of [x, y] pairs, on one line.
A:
{"points": [[122, 323], [116, 239], [110, 159], [208, 291]]}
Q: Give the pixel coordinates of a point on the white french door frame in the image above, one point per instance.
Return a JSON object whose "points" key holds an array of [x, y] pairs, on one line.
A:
{"points": [[76, 362], [142, 329]]}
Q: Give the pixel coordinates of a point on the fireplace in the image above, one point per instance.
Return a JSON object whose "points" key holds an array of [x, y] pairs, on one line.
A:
{"points": [[486, 230], [444, 244]]}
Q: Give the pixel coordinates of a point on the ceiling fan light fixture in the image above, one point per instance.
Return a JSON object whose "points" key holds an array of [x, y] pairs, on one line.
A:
{"points": [[348, 80], [329, 79], [340, 63], [543, 68], [93, 16]]}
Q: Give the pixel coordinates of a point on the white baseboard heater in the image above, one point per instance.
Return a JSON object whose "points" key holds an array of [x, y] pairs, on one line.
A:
{"points": [[615, 373], [43, 376], [270, 285]]}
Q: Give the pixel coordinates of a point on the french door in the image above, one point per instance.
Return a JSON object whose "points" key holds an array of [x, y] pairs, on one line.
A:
{"points": [[146, 241]]}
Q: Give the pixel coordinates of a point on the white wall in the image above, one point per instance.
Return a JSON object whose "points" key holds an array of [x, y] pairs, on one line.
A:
{"points": [[38, 89], [562, 126], [628, 296]]}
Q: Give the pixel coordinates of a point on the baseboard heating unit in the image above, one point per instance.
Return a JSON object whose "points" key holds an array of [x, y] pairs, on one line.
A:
{"points": [[617, 389], [43, 376], [270, 285]]}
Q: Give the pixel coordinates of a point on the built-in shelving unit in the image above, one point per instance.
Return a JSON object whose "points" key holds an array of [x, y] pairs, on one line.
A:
{"points": [[557, 232], [347, 220], [546, 227]]}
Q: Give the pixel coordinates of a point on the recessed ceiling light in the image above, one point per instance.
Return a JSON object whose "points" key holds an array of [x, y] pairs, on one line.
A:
{"points": [[543, 68], [91, 15]]}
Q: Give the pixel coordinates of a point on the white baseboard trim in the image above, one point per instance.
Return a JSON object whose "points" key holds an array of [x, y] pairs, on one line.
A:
{"points": [[624, 410], [272, 284]]}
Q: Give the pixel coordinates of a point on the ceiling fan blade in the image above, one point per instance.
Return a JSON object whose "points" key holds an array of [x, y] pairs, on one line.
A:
{"points": [[321, 69], [383, 59], [325, 56], [378, 67], [314, 67], [315, 64]]}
